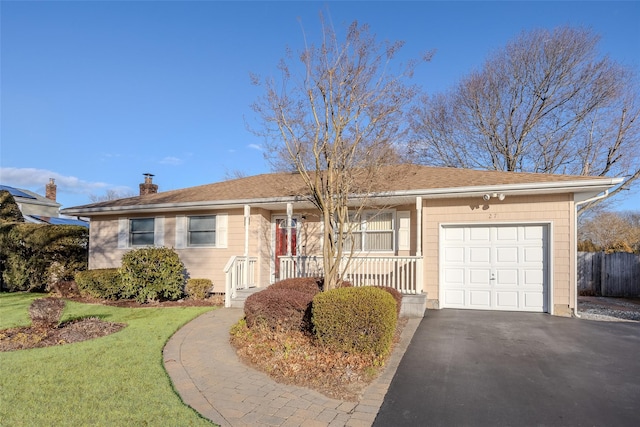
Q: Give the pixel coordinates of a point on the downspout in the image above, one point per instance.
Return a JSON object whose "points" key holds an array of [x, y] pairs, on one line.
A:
{"points": [[418, 226], [419, 275], [575, 249]]}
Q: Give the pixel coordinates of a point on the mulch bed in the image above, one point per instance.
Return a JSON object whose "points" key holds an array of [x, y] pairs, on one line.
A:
{"points": [[66, 333], [294, 358]]}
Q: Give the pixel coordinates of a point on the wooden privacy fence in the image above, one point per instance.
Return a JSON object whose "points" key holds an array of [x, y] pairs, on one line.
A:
{"points": [[609, 275]]}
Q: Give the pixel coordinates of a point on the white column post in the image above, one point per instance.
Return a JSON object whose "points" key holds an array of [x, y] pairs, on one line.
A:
{"points": [[289, 223], [247, 220], [418, 226]]}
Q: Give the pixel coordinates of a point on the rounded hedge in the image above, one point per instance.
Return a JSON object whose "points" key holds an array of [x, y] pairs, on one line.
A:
{"points": [[101, 283], [150, 274], [198, 289], [355, 320], [397, 296], [284, 306]]}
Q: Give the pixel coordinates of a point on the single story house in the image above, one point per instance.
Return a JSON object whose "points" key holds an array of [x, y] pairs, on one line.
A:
{"points": [[448, 238]]}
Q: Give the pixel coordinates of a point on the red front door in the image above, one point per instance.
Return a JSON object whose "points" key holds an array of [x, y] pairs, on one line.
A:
{"points": [[281, 242]]}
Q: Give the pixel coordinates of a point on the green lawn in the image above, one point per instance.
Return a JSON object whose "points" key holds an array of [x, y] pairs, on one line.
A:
{"points": [[117, 380]]}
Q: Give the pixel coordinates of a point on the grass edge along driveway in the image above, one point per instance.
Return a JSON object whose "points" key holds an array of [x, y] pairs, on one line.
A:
{"points": [[114, 380]]}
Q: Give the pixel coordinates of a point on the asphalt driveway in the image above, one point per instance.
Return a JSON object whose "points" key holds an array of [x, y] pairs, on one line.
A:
{"points": [[482, 368]]}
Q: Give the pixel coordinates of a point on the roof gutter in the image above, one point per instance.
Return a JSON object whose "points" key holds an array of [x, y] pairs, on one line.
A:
{"points": [[574, 186]]}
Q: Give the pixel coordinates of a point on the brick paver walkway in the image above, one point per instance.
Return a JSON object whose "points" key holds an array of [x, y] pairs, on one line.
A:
{"points": [[211, 379]]}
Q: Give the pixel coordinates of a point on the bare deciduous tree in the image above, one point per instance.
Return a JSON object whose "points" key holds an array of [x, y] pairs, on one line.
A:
{"points": [[110, 195], [334, 116], [230, 174], [546, 103], [612, 231]]}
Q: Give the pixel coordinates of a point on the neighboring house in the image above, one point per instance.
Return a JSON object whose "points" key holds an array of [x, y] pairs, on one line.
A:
{"points": [[448, 238], [41, 210]]}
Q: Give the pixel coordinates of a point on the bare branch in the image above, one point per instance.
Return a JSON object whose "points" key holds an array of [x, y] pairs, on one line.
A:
{"points": [[544, 103], [337, 123]]}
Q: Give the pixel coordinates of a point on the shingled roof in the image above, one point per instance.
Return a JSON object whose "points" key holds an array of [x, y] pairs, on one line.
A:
{"points": [[392, 180]]}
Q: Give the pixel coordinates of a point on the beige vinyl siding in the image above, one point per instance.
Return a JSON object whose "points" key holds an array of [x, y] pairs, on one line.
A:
{"points": [[553, 209], [209, 262]]}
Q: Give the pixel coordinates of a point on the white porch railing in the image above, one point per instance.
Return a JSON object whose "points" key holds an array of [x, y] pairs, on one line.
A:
{"points": [[240, 273], [403, 273]]}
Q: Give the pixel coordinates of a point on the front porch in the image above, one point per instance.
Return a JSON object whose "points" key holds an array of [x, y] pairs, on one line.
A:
{"points": [[403, 273]]}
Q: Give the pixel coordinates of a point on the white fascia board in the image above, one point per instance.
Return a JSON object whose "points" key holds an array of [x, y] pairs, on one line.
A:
{"points": [[583, 186], [178, 207]]}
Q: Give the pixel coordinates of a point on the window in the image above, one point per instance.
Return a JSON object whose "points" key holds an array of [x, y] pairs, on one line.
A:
{"points": [[372, 231], [141, 231], [201, 231]]}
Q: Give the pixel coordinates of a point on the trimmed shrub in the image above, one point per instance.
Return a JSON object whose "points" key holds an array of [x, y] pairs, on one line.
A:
{"points": [[397, 296], [284, 306], [355, 320], [301, 284], [104, 283], [65, 289], [151, 274], [45, 313], [198, 288]]}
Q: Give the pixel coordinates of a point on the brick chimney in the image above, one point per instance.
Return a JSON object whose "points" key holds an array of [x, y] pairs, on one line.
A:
{"points": [[148, 187], [51, 190]]}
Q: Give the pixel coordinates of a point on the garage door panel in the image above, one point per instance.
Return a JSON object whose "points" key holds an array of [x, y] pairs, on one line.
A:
{"points": [[454, 234], [453, 255], [534, 233], [494, 267], [454, 276], [454, 298], [479, 234], [506, 277], [479, 276], [482, 255], [507, 234], [533, 301], [479, 299], [507, 254], [533, 254], [533, 277], [507, 300]]}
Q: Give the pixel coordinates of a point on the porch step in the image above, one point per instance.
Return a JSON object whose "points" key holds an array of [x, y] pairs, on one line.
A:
{"points": [[413, 305], [242, 295]]}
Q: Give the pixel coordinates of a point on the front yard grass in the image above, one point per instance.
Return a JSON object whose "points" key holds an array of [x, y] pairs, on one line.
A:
{"points": [[114, 380]]}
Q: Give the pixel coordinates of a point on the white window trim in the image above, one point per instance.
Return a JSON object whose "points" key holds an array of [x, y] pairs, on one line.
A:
{"points": [[404, 230], [124, 232], [363, 232], [182, 231]]}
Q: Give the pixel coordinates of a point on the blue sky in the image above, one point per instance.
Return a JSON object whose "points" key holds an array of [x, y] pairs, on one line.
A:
{"points": [[94, 94]]}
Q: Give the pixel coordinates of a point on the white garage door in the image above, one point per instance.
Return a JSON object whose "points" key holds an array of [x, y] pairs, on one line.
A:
{"points": [[494, 267]]}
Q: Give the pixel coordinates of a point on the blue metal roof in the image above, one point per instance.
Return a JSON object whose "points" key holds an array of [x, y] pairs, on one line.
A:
{"points": [[60, 221], [15, 192]]}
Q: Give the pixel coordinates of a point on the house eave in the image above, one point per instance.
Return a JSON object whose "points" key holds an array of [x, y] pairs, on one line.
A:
{"points": [[581, 188], [182, 206], [595, 186]]}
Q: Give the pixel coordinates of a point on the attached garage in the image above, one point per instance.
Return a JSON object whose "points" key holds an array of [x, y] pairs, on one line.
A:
{"points": [[495, 267]]}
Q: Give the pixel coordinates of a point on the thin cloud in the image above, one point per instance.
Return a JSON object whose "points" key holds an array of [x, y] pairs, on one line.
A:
{"points": [[255, 147], [169, 160], [36, 179]]}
